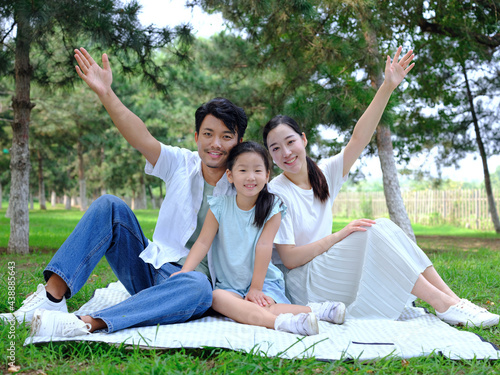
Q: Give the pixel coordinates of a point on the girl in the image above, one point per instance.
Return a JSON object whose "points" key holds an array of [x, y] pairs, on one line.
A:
{"points": [[248, 289], [371, 266]]}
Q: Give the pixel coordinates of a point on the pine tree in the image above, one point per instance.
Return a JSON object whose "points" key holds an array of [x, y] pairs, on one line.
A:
{"points": [[46, 27]]}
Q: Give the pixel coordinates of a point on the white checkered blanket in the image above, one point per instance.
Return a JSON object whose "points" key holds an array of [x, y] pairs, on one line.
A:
{"points": [[415, 334]]}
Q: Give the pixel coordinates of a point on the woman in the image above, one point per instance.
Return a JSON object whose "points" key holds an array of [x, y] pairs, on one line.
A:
{"points": [[371, 266]]}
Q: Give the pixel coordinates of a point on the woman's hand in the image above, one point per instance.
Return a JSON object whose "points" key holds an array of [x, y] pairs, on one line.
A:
{"points": [[396, 71], [258, 297], [354, 226]]}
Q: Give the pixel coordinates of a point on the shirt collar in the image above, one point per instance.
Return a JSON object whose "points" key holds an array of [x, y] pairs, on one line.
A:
{"points": [[223, 182]]}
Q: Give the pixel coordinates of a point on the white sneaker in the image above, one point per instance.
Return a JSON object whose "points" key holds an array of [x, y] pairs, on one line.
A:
{"points": [[37, 300], [305, 324], [333, 312], [49, 323], [467, 314]]}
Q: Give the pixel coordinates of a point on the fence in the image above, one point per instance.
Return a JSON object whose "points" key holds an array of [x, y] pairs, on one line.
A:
{"points": [[468, 208]]}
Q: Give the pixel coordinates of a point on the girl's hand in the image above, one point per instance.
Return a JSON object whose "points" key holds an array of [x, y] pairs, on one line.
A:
{"points": [[258, 297], [396, 71], [355, 226]]}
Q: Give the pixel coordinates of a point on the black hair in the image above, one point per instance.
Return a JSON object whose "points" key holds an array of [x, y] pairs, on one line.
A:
{"points": [[316, 177], [232, 116], [265, 200]]}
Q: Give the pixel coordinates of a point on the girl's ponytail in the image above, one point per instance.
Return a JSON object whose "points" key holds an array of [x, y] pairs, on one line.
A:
{"points": [[263, 207]]}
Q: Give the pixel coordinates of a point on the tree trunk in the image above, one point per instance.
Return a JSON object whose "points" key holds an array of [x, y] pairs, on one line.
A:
{"points": [[153, 200], [53, 198], [482, 152], [67, 202], [20, 161], [139, 200], [7, 213], [81, 176], [392, 190], [41, 183]]}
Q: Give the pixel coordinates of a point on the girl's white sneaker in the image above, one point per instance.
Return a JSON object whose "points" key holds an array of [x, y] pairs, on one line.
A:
{"points": [[305, 324], [329, 311]]}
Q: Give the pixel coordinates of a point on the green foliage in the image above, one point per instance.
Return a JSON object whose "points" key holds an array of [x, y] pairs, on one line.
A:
{"points": [[366, 207], [451, 37], [6, 117], [57, 27]]}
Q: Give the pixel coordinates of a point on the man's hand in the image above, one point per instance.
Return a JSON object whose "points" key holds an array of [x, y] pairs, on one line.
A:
{"points": [[258, 297], [99, 79]]}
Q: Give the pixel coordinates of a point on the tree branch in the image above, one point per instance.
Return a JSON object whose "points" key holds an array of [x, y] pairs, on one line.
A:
{"points": [[435, 28], [8, 32]]}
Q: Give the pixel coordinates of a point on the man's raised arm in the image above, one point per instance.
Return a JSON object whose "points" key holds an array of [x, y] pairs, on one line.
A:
{"points": [[130, 126]]}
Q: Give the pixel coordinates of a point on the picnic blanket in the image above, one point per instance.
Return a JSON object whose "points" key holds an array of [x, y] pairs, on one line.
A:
{"points": [[416, 333]]}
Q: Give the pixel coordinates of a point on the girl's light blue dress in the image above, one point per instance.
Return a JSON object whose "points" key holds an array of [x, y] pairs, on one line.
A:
{"points": [[233, 248]]}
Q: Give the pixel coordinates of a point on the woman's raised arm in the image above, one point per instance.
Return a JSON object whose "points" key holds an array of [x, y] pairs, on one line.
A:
{"points": [[395, 72]]}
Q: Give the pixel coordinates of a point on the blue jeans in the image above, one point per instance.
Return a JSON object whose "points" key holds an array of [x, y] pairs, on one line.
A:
{"points": [[109, 228]]}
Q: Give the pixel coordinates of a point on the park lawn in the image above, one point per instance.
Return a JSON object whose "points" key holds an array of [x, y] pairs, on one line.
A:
{"points": [[473, 274]]}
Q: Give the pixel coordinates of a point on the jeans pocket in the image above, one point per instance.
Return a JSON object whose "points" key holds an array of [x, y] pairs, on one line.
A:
{"points": [[160, 276]]}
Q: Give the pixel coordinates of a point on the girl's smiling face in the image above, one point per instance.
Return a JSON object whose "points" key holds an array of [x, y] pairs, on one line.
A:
{"points": [[248, 174], [288, 149]]}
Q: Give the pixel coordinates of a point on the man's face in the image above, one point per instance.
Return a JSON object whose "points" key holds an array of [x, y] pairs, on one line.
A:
{"points": [[214, 142]]}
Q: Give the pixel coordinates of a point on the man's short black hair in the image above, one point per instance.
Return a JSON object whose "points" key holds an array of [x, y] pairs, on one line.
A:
{"points": [[232, 116]]}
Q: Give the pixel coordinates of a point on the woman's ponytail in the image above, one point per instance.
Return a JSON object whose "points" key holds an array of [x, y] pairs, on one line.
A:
{"points": [[317, 180]]}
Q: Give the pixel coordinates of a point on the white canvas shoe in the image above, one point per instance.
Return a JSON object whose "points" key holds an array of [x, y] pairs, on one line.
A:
{"points": [[467, 314], [305, 324], [49, 323], [329, 311], [37, 300]]}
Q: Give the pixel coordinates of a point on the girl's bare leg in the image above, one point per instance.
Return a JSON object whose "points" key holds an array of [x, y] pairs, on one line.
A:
{"points": [[242, 311]]}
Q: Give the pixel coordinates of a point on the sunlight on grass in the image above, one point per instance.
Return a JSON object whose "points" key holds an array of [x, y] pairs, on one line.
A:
{"points": [[50, 228]]}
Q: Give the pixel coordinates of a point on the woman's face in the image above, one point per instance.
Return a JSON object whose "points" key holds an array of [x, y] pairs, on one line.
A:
{"points": [[288, 149]]}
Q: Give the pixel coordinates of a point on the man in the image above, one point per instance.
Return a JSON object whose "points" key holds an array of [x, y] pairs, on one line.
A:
{"points": [[109, 228]]}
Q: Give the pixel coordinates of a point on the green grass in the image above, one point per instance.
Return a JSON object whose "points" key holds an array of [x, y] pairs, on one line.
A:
{"points": [[61, 222], [472, 274], [49, 229], [438, 230]]}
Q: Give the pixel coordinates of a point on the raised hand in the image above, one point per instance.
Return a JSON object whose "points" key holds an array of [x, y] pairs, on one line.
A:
{"points": [[99, 79], [397, 70]]}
